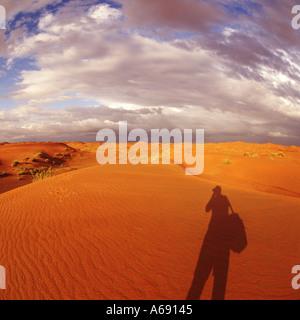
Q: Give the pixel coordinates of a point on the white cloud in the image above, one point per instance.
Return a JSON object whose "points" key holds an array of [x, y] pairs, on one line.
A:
{"points": [[233, 82], [277, 135], [105, 14]]}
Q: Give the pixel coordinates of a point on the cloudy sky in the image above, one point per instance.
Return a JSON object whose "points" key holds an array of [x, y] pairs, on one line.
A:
{"points": [[69, 68]]}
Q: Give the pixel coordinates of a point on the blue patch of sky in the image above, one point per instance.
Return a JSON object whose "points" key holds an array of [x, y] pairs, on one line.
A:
{"points": [[184, 35], [113, 4], [6, 103], [234, 26], [14, 73], [31, 19], [237, 8], [10, 78]]}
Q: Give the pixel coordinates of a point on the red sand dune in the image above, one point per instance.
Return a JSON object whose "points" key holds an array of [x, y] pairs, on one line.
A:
{"points": [[135, 232], [24, 153]]}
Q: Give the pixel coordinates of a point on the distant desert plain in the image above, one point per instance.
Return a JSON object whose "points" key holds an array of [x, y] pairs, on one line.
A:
{"points": [[135, 232]]}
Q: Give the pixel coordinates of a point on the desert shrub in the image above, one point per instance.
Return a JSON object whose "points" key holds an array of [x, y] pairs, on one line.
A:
{"points": [[41, 174], [279, 154], [251, 155], [22, 172], [42, 155], [15, 163], [3, 174], [226, 161]]}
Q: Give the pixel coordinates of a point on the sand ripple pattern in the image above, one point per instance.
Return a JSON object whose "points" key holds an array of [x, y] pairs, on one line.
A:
{"points": [[125, 232]]}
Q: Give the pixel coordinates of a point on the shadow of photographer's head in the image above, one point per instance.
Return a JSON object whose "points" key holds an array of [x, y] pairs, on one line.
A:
{"points": [[217, 190]]}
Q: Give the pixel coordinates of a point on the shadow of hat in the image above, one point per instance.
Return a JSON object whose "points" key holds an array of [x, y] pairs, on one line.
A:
{"points": [[217, 189]]}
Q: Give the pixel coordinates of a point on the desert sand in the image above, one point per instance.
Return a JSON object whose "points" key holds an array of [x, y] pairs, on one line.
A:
{"points": [[135, 232]]}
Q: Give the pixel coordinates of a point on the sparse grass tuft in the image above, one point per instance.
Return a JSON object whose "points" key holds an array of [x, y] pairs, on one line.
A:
{"points": [[226, 161], [41, 174], [3, 174], [22, 171], [251, 155], [279, 154], [15, 163], [42, 155]]}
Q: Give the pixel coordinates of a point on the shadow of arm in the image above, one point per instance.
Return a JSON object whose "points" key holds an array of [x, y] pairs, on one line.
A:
{"points": [[210, 204]]}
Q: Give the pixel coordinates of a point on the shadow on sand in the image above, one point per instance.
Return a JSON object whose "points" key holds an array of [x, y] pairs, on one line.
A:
{"points": [[225, 232]]}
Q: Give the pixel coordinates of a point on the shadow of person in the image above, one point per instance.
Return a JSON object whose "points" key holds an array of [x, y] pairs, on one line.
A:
{"points": [[225, 232]]}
